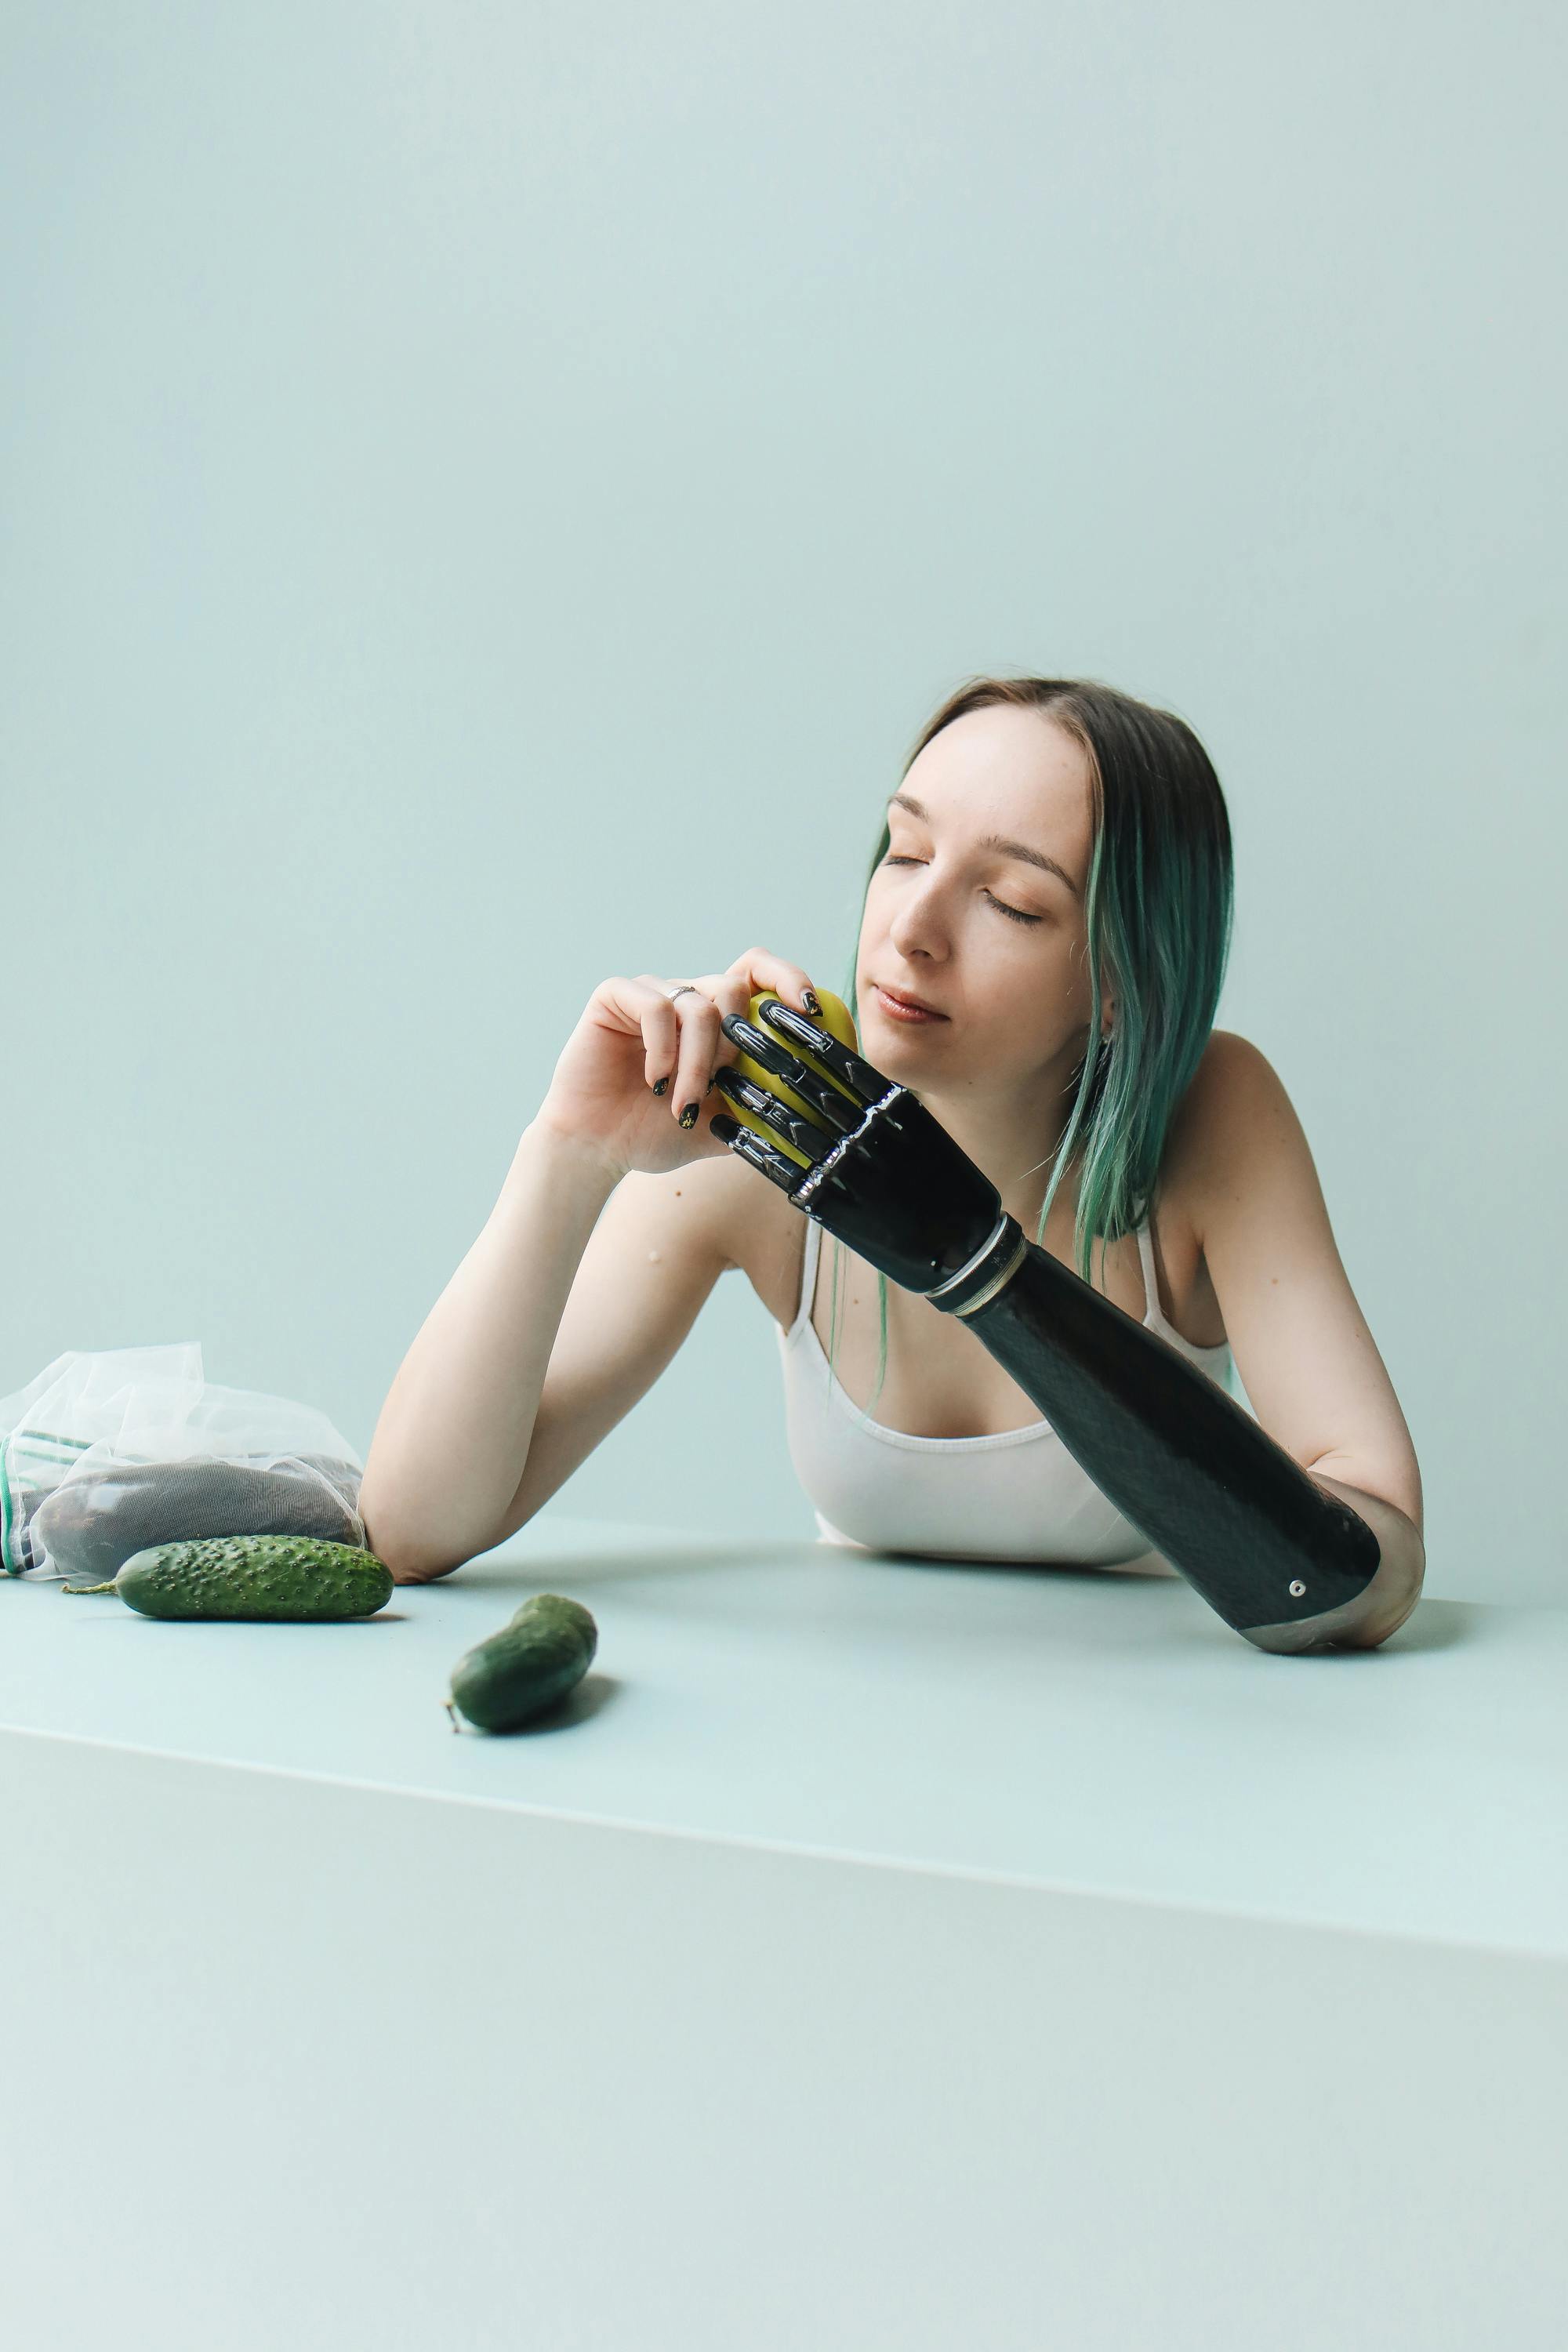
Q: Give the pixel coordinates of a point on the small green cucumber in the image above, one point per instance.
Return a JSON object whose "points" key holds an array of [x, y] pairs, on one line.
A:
{"points": [[507, 1679], [299, 1578]]}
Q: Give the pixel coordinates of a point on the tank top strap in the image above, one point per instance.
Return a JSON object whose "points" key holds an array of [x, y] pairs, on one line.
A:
{"points": [[1151, 1308], [807, 1278]]}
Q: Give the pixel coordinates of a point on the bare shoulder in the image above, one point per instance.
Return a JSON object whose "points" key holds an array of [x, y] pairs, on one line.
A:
{"points": [[1235, 1123]]}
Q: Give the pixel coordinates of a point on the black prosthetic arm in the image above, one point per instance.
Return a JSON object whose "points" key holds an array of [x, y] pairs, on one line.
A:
{"points": [[1266, 1547], [1281, 1560]]}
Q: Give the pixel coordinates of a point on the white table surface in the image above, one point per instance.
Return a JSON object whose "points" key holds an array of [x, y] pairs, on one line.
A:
{"points": [[1079, 1730]]}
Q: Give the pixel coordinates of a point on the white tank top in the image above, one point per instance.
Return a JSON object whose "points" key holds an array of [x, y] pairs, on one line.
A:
{"points": [[1018, 1496]]}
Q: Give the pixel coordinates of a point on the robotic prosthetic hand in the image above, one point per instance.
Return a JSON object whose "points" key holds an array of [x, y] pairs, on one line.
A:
{"points": [[1286, 1564]]}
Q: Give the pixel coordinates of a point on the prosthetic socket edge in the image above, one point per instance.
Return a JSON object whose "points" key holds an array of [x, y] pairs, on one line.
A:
{"points": [[1285, 1564]]}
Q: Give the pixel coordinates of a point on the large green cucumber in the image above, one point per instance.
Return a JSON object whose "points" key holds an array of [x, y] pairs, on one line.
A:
{"points": [[510, 1677], [256, 1577]]}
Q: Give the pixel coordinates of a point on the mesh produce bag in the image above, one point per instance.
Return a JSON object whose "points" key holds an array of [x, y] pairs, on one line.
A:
{"points": [[104, 1455]]}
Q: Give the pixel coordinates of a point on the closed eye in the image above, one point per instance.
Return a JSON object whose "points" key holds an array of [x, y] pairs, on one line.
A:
{"points": [[1017, 913]]}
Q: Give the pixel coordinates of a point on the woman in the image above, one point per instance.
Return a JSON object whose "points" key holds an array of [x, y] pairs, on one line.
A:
{"points": [[1056, 869]]}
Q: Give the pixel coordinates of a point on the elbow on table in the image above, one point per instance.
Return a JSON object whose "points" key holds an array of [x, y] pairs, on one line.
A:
{"points": [[413, 1558], [1395, 1586], [1386, 1620], [417, 1569]]}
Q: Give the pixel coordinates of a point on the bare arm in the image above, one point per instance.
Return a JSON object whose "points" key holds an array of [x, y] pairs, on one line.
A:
{"points": [[608, 1235], [454, 1433], [647, 1274], [575, 1296]]}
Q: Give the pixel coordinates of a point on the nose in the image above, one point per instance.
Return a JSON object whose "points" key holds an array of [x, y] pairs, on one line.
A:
{"points": [[918, 928]]}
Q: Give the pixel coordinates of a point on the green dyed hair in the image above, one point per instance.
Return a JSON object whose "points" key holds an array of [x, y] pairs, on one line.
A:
{"points": [[1158, 910]]}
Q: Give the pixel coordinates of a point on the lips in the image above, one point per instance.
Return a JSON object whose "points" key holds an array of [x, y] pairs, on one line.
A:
{"points": [[915, 1003]]}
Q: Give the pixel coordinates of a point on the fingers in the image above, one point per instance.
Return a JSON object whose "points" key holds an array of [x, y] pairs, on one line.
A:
{"points": [[864, 1080], [837, 1111], [686, 1039], [746, 1145], [758, 970], [859, 1080], [642, 1007], [793, 1125], [682, 1041], [728, 993]]}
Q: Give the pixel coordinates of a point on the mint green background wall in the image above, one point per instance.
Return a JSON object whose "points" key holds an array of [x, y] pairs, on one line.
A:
{"points": [[470, 470]]}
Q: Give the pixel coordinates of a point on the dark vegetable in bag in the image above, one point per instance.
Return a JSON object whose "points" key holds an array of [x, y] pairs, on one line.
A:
{"points": [[96, 1521], [28, 1501]]}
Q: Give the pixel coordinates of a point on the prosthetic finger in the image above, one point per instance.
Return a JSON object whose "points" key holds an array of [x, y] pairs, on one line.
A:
{"points": [[831, 1107], [827, 1112], [860, 1079], [798, 1131], [777, 1165]]}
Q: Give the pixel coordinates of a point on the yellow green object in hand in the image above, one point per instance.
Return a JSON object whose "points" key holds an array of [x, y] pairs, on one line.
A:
{"points": [[839, 1022]]}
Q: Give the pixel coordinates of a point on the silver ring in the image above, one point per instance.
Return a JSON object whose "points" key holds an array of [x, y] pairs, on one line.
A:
{"points": [[680, 988]]}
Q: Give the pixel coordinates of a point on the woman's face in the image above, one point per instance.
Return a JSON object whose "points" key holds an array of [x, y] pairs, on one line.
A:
{"points": [[995, 941]]}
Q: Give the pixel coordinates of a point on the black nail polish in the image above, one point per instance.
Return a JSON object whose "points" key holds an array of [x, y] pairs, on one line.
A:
{"points": [[808, 998], [689, 1116], [660, 1085]]}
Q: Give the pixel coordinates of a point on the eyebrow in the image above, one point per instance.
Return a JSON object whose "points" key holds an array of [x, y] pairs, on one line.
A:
{"points": [[996, 841]]}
